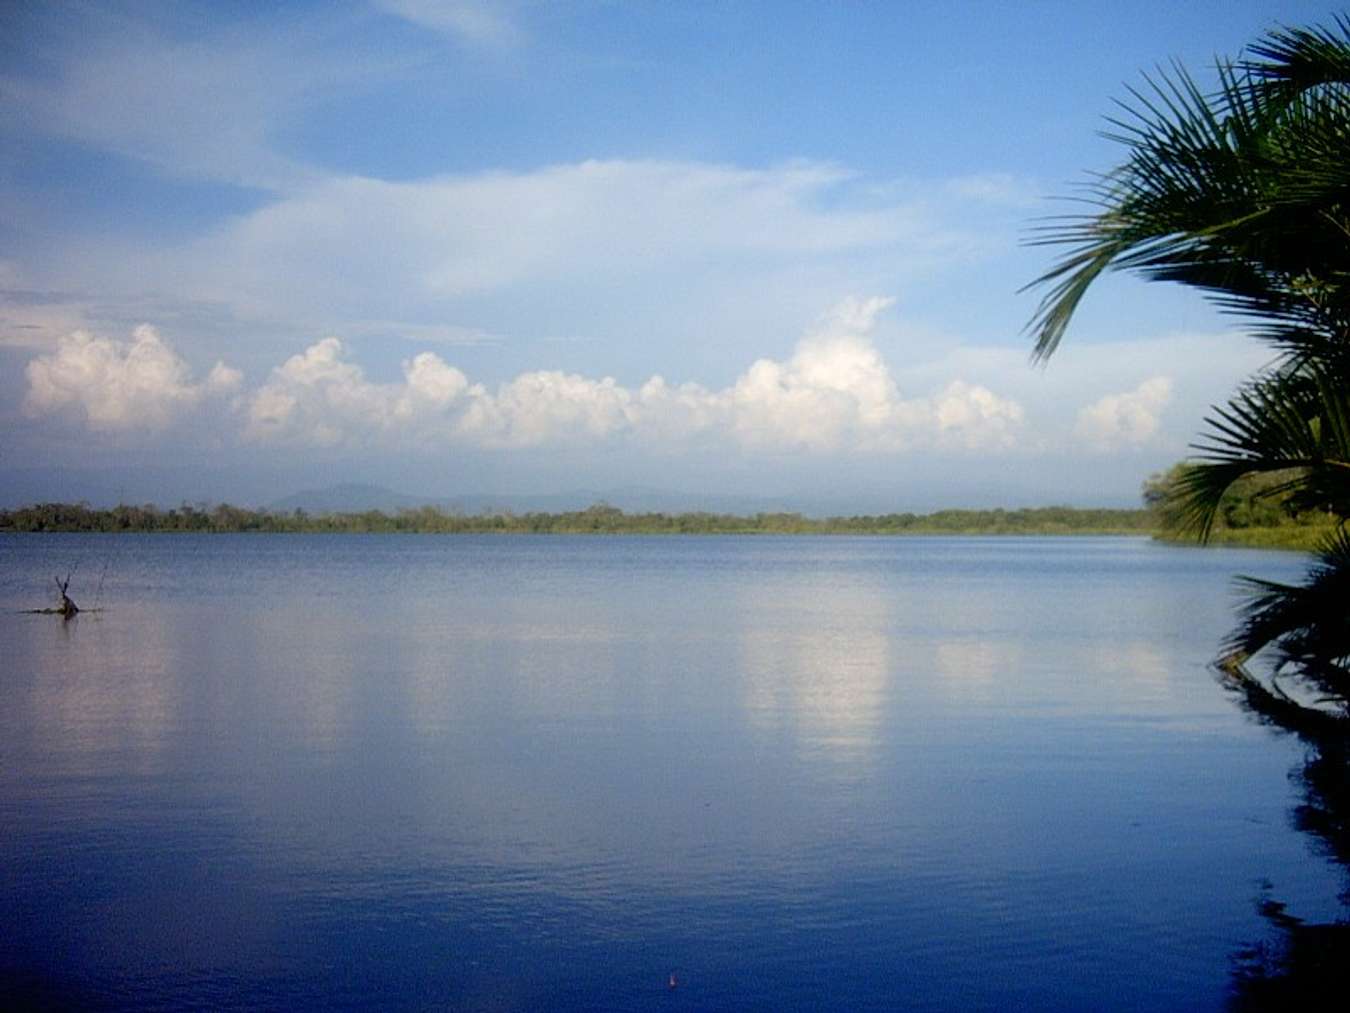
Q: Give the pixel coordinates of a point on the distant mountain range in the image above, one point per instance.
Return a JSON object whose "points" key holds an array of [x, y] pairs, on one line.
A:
{"points": [[357, 497]]}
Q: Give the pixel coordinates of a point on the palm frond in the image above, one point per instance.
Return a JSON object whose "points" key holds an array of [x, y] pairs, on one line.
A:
{"points": [[1308, 625], [1295, 421], [1243, 193], [1301, 58]]}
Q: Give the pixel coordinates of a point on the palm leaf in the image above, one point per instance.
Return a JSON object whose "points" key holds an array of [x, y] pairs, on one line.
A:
{"points": [[1294, 421], [1308, 624], [1242, 193]]}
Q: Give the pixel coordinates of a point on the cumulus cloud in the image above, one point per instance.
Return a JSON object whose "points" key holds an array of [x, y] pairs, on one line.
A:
{"points": [[120, 385], [549, 407], [319, 398], [975, 417], [835, 394], [1125, 421]]}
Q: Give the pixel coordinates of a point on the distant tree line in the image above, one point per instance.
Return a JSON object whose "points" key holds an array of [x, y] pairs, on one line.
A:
{"points": [[598, 519]]}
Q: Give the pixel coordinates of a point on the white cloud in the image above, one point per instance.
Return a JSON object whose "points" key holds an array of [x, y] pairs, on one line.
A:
{"points": [[118, 385], [977, 418], [835, 394], [1087, 398], [549, 407], [318, 398], [1128, 420]]}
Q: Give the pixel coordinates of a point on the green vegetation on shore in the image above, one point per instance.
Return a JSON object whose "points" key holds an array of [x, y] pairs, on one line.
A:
{"points": [[1255, 511], [1295, 539], [598, 519]]}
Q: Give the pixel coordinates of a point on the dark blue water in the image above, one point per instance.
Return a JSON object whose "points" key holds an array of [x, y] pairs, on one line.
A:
{"points": [[525, 773]]}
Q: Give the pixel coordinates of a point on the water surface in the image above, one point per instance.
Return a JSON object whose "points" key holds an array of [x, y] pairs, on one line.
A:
{"points": [[522, 773]]}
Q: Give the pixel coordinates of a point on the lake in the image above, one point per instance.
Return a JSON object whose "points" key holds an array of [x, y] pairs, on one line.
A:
{"points": [[518, 773]]}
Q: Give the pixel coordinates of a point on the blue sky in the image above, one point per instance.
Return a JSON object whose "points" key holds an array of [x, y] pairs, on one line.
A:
{"points": [[762, 249]]}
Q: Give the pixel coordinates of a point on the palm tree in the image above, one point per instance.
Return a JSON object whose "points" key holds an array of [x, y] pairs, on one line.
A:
{"points": [[1245, 194]]}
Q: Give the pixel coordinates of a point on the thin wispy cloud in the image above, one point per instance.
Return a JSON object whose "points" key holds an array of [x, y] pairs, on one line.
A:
{"points": [[194, 109], [459, 235], [211, 104], [489, 24], [467, 254]]}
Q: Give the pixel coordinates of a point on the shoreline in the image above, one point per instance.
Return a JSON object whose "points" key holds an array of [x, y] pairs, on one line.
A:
{"points": [[601, 519]]}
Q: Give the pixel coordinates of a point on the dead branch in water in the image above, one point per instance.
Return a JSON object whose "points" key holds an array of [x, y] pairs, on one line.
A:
{"points": [[67, 609]]}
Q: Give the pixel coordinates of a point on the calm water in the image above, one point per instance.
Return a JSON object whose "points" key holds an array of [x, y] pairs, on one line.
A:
{"points": [[526, 773]]}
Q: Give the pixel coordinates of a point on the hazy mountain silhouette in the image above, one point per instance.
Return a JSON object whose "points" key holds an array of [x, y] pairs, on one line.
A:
{"points": [[356, 497]]}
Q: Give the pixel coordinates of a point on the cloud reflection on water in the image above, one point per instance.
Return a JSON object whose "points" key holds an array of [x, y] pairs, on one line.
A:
{"points": [[102, 689], [816, 661]]}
